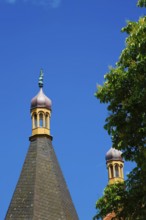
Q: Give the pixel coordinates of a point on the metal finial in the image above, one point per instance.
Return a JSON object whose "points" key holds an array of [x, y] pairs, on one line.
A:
{"points": [[41, 79]]}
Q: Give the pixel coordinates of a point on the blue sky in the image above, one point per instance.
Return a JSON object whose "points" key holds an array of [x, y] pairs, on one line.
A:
{"points": [[74, 41]]}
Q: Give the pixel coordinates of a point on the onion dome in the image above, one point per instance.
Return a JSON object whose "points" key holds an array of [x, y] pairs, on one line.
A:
{"points": [[41, 100], [113, 154]]}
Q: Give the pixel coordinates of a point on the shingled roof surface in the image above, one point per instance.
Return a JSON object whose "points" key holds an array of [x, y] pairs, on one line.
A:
{"points": [[41, 192], [109, 216]]}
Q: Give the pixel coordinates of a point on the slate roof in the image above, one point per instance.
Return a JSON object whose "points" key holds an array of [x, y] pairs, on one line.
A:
{"points": [[41, 192]]}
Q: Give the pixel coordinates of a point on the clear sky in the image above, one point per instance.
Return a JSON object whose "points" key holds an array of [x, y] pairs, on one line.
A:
{"points": [[74, 41]]}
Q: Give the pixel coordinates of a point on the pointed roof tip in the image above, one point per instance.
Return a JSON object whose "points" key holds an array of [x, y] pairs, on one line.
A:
{"points": [[41, 79], [41, 100]]}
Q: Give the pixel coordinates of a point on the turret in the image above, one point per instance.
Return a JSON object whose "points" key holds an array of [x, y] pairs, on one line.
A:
{"points": [[115, 166], [40, 111]]}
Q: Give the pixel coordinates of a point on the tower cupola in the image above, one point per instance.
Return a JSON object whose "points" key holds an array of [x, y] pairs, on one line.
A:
{"points": [[41, 101], [115, 165], [113, 154], [41, 111]]}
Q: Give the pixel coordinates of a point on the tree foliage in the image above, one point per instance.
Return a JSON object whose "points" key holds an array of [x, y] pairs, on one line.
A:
{"points": [[126, 200], [141, 3], [124, 91], [109, 203]]}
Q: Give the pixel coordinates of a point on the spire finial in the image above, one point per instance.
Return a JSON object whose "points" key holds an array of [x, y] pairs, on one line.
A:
{"points": [[41, 79]]}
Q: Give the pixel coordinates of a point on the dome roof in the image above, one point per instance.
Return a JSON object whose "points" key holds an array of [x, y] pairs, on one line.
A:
{"points": [[41, 101], [113, 154]]}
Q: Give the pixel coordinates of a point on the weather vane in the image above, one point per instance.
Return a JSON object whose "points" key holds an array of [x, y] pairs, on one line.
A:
{"points": [[41, 79]]}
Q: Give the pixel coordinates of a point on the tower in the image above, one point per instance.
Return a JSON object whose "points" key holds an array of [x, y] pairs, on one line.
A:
{"points": [[41, 192], [115, 166]]}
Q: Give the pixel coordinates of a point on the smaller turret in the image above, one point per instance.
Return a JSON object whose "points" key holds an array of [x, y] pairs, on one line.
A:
{"points": [[115, 165]]}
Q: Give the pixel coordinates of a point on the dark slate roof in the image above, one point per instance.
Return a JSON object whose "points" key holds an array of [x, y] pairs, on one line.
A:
{"points": [[41, 192]]}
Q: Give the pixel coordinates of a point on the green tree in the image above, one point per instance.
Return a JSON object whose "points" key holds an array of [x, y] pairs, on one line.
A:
{"points": [[141, 3], [124, 91]]}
